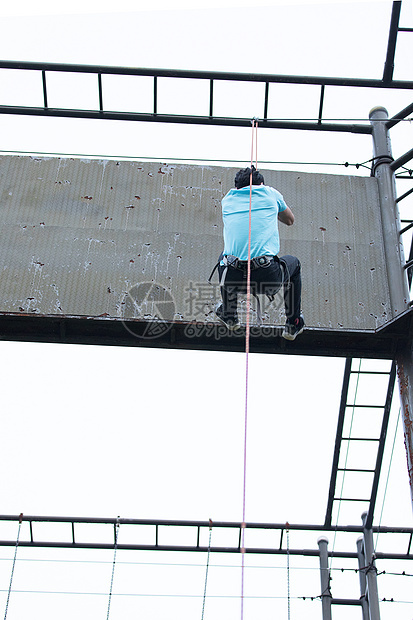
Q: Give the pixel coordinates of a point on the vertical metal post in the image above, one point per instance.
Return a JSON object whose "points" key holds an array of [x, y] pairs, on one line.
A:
{"points": [[391, 46], [371, 572], [324, 578], [393, 248], [100, 92], [211, 97], [397, 277], [44, 89], [405, 376], [362, 578]]}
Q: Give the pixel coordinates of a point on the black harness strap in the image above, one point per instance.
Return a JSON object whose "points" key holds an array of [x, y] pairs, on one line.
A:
{"points": [[256, 263]]}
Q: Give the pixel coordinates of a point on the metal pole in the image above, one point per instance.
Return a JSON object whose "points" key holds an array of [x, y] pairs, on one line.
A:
{"points": [[393, 248], [398, 282], [405, 375], [391, 46], [371, 572], [325, 578], [362, 578]]}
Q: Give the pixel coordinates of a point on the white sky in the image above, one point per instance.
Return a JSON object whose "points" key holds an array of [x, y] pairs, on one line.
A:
{"points": [[96, 431]]}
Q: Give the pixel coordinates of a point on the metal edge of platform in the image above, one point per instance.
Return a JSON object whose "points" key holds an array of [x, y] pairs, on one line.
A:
{"points": [[384, 343]]}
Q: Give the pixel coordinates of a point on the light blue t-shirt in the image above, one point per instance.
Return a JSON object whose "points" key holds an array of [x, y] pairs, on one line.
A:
{"points": [[266, 203]]}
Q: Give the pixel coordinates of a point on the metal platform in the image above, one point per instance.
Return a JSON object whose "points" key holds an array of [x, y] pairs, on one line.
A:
{"points": [[387, 342], [106, 252]]}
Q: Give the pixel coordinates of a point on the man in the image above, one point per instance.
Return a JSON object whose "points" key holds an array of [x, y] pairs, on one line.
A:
{"points": [[268, 271]]}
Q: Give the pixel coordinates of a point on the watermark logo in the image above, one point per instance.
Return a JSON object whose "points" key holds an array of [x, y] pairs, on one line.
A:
{"points": [[152, 303], [148, 311]]}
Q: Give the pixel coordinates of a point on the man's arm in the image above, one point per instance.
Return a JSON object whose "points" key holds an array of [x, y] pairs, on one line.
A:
{"points": [[286, 216]]}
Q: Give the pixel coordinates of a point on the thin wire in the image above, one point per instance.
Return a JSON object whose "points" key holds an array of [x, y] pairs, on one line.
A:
{"points": [[177, 564], [13, 566], [382, 572], [157, 595], [207, 567], [288, 576], [388, 475], [199, 159], [193, 565], [113, 567], [183, 596]]}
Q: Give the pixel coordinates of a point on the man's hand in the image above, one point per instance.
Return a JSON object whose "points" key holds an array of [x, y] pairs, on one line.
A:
{"points": [[286, 217]]}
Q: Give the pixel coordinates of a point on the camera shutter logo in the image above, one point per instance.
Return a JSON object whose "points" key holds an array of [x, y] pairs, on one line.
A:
{"points": [[152, 303]]}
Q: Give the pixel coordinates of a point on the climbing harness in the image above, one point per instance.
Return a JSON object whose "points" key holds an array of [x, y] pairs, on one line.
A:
{"points": [[207, 567], [14, 564], [113, 566]]}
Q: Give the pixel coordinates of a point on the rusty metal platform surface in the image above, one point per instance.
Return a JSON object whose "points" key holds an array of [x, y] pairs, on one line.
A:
{"points": [[130, 240]]}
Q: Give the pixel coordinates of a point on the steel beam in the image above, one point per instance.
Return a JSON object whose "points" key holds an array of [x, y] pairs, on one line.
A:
{"points": [[196, 548], [399, 116], [371, 572], [339, 434], [385, 343], [207, 75], [325, 578], [71, 543], [382, 441], [391, 46], [251, 525], [400, 161], [211, 76], [181, 119], [362, 578], [405, 376], [393, 246]]}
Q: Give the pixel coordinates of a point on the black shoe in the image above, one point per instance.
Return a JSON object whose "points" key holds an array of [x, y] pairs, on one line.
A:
{"points": [[294, 328], [230, 321]]}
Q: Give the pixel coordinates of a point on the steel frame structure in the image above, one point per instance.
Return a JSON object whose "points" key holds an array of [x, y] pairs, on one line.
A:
{"points": [[387, 82], [200, 528], [389, 343], [375, 469]]}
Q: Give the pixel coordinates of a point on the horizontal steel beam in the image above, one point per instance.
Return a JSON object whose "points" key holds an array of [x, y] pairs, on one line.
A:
{"points": [[399, 116], [196, 525], [198, 548], [384, 343], [207, 75], [398, 163], [311, 527], [184, 119]]}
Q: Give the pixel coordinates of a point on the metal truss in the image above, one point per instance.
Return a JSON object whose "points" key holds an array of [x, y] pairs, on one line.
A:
{"points": [[233, 530], [384, 344], [342, 443], [387, 82]]}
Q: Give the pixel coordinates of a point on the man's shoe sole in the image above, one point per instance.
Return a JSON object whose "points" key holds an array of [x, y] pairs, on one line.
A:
{"points": [[230, 327], [291, 337]]}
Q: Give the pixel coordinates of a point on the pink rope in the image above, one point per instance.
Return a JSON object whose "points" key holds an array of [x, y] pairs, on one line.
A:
{"points": [[247, 350]]}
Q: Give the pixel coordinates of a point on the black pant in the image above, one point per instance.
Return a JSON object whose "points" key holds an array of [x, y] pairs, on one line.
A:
{"points": [[280, 272]]}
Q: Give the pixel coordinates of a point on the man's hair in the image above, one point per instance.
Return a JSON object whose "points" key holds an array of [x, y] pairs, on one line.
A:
{"points": [[242, 178]]}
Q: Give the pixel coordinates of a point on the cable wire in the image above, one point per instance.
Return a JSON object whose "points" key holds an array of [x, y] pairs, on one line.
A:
{"points": [[388, 475], [288, 574], [113, 567], [13, 565], [207, 567], [190, 159]]}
